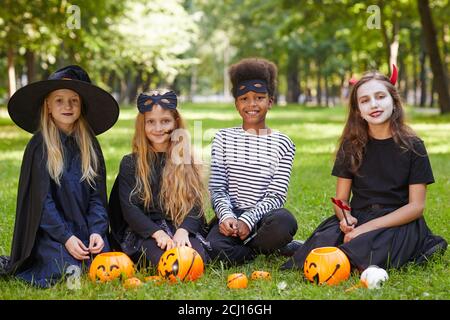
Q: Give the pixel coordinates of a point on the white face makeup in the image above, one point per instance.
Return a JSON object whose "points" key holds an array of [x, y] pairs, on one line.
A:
{"points": [[375, 102]]}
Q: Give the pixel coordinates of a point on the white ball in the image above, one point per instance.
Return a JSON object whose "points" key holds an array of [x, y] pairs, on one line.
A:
{"points": [[374, 277]]}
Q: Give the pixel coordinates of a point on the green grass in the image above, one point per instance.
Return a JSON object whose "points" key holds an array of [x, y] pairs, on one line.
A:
{"points": [[315, 132]]}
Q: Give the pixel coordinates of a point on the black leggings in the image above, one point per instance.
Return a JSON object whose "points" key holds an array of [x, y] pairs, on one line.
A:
{"points": [[149, 253], [276, 229]]}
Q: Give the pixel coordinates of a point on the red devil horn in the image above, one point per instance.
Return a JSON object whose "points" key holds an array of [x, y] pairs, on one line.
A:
{"points": [[352, 81], [394, 74]]}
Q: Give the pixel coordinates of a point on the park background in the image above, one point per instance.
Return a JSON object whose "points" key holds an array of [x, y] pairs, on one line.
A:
{"points": [[319, 46]]}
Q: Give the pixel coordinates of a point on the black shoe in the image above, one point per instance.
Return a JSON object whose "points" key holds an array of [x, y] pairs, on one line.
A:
{"points": [[289, 249], [435, 244], [4, 262]]}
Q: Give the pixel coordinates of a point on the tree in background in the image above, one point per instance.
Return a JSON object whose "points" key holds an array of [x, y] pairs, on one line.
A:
{"points": [[188, 45], [125, 45], [440, 75]]}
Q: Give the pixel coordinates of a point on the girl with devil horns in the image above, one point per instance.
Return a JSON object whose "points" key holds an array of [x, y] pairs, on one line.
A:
{"points": [[61, 216], [157, 201], [384, 165]]}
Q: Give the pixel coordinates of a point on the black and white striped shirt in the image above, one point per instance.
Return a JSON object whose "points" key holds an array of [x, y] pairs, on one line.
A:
{"points": [[249, 173]]}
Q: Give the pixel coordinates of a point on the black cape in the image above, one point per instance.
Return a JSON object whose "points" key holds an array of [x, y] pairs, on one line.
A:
{"points": [[34, 184]]}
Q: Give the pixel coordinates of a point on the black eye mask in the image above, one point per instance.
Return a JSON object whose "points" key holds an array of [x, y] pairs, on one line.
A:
{"points": [[258, 86], [167, 100]]}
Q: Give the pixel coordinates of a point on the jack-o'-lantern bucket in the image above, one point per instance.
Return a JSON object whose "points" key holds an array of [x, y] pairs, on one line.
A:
{"points": [[180, 264], [327, 265], [111, 265]]}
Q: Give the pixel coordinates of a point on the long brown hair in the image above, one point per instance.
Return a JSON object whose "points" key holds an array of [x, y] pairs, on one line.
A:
{"points": [[182, 186], [356, 131]]}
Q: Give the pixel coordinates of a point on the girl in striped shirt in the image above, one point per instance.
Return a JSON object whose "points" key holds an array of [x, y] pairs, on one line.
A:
{"points": [[250, 171]]}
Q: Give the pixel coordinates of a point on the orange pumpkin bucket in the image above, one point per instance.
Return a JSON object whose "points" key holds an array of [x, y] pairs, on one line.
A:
{"points": [[111, 265], [180, 264], [327, 265]]}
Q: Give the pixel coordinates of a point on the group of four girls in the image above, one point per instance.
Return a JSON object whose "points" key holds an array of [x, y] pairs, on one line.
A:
{"points": [[157, 201]]}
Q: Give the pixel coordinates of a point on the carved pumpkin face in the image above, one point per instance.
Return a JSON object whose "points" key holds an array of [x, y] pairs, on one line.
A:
{"points": [[180, 264], [111, 265], [237, 281], [326, 265]]}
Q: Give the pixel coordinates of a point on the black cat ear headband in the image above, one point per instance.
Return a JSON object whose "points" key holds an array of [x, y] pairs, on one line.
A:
{"points": [[167, 100]]}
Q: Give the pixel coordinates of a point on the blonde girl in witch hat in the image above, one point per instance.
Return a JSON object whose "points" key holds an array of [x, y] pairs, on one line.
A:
{"points": [[61, 216]]}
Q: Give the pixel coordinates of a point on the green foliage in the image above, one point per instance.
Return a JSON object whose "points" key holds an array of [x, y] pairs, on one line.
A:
{"points": [[121, 38], [154, 36]]}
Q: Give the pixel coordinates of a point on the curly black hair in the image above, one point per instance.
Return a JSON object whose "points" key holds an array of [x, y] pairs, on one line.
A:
{"points": [[252, 69]]}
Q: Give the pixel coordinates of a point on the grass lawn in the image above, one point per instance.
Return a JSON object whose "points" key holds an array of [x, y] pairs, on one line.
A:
{"points": [[315, 132]]}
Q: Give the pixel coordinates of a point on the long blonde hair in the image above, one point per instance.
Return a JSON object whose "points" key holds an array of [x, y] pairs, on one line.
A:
{"points": [[182, 186], [55, 155]]}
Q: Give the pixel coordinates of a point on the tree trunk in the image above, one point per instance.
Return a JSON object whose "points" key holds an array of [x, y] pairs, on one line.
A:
{"points": [[307, 76], [134, 85], [319, 87], [111, 81], [432, 91], [403, 79], [125, 86], [30, 61], [327, 92], [414, 69], [394, 45], [423, 72], [11, 72], [439, 74], [293, 84], [391, 43], [445, 41], [344, 90], [387, 41], [114, 85]]}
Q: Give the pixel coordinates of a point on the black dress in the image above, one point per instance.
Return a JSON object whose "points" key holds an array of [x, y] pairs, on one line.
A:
{"points": [[132, 225], [380, 187]]}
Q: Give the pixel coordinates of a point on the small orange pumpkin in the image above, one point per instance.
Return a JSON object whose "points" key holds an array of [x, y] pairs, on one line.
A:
{"points": [[260, 275], [237, 281], [154, 279], [111, 265], [326, 265], [180, 264], [132, 283]]}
